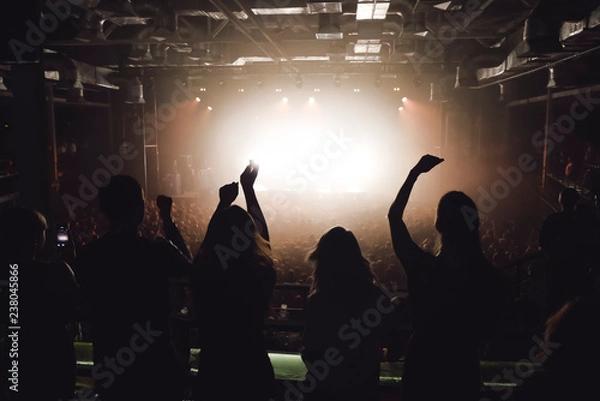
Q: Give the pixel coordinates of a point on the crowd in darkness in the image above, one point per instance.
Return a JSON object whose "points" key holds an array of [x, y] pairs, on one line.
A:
{"points": [[297, 229], [464, 275]]}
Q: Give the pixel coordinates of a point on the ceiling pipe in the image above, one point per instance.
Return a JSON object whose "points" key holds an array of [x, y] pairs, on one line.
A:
{"points": [[71, 72], [547, 37], [466, 72], [221, 7], [260, 27], [536, 69]]}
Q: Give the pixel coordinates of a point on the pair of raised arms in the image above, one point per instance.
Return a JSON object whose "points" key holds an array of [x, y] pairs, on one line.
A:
{"points": [[229, 192]]}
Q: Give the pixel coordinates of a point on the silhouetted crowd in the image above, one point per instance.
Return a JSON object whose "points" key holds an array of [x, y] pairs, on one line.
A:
{"points": [[297, 231], [464, 276]]}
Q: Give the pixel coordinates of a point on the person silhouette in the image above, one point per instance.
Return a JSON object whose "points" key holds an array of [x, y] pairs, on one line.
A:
{"points": [[570, 340], [43, 307], [125, 282], [343, 324], [565, 239], [234, 278], [453, 297]]}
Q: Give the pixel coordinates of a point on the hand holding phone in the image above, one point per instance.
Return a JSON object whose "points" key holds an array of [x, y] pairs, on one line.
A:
{"points": [[62, 235]]}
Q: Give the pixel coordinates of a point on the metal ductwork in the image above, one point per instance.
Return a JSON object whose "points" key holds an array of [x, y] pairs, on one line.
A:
{"points": [[73, 73], [549, 39], [466, 73]]}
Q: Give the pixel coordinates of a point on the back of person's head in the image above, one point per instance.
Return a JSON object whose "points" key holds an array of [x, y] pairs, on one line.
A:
{"points": [[568, 198], [458, 220], [22, 232], [339, 263], [122, 200], [232, 240]]}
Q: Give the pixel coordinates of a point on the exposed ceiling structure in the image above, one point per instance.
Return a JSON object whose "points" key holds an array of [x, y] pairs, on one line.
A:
{"points": [[480, 42]]}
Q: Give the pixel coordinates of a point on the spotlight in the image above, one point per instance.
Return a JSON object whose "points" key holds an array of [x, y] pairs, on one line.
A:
{"points": [[198, 99], [278, 90], [241, 90], [356, 90], [317, 90], [284, 100], [551, 80], [400, 108], [209, 108], [311, 100], [396, 89], [404, 98]]}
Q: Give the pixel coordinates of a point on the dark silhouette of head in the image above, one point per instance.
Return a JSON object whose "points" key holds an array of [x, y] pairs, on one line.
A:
{"points": [[22, 232], [122, 201], [568, 198], [458, 221], [232, 240], [339, 263]]}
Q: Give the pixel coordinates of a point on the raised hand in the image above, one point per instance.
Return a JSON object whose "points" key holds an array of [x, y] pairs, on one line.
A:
{"points": [[164, 204], [248, 177], [426, 163], [228, 193]]}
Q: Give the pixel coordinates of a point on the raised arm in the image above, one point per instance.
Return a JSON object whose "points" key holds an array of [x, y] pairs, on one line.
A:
{"points": [[403, 243], [172, 233], [247, 180]]}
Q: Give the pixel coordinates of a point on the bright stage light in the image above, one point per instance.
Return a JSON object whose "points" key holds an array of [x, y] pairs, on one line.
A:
{"points": [[275, 146], [198, 99], [404, 99], [400, 108], [284, 100], [311, 100], [209, 108]]}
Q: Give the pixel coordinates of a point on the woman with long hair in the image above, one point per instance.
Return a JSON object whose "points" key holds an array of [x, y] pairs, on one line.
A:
{"points": [[453, 297], [343, 322], [234, 279]]}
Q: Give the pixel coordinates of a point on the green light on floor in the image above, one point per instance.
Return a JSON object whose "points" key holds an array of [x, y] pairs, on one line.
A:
{"points": [[496, 384]]}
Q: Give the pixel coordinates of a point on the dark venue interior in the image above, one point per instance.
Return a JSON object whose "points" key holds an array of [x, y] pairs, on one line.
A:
{"points": [[337, 102]]}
